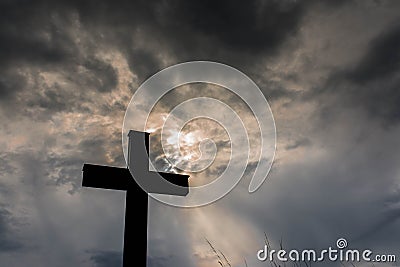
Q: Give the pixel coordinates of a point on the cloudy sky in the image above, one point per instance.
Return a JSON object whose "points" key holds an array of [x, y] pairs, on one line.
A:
{"points": [[329, 69]]}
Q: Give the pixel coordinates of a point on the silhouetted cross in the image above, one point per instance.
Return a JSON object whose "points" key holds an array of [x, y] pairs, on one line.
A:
{"points": [[136, 208]]}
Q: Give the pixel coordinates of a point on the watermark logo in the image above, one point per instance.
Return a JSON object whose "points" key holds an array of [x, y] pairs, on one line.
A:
{"points": [[157, 86], [341, 243], [339, 253]]}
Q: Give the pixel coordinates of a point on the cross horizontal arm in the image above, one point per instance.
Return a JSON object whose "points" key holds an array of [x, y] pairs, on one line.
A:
{"points": [[115, 178], [98, 176], [169, 184]]}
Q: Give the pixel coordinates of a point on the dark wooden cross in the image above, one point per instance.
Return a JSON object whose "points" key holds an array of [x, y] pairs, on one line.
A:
{"points": [[136, 208]]}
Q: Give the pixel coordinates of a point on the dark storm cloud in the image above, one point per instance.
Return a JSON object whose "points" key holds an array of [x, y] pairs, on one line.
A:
{"points": [[53, 99], [23, 35], [381, 60], [377, 76], [34, 31], [104, 76], [190, 30], [42, 35], [30, 35], [11, 82], [37, 36], [373, 83], [106, 258], [259, 26]]}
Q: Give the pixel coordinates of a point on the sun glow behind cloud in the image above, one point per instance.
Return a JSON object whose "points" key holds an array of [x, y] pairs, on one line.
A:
{"points": [[186, 148], [202, 146]]}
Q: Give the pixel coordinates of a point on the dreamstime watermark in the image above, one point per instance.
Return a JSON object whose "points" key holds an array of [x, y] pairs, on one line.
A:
{"points": [[339, 253]]}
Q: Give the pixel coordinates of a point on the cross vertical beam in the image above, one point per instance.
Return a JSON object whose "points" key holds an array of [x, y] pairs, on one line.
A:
{"points": [[136, 202], [136, 214]]}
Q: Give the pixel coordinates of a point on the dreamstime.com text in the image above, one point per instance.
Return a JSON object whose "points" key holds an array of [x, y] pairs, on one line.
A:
{"points": [[340, 253]]}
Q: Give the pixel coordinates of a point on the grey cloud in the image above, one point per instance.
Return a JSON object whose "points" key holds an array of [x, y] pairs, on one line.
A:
{"points": [[387, 219], [169, 238], [313, 202], [5, 165], [7, 240], [298, 143], [67, 169], [47, 236], [157, 261], [64, 171], [275, 90]]}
